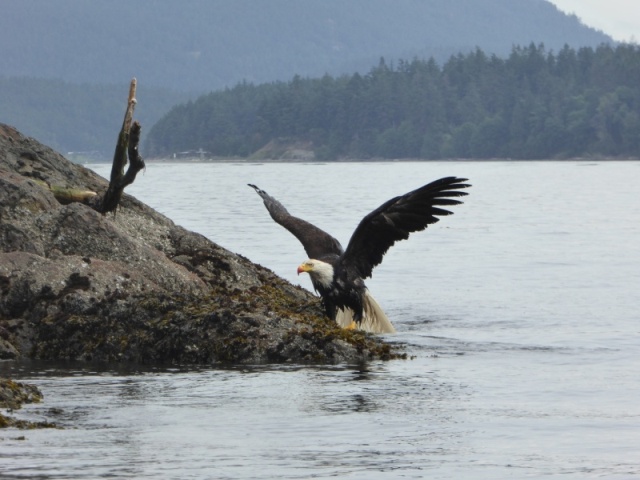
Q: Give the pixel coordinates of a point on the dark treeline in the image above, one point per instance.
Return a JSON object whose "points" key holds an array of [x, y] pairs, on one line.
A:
{"points": [[533, 104]]}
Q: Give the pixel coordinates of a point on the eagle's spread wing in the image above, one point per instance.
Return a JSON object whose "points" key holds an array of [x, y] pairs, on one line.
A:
{"points": [[396, 219], [315, 241]]}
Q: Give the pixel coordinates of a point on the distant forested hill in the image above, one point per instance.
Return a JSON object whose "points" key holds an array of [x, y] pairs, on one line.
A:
{"points": [[60, 59], [532, 104]]}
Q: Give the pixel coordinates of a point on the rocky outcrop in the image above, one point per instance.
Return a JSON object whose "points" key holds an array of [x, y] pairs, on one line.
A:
{"points": [[284, 149], [75, 284], [12, 396]]}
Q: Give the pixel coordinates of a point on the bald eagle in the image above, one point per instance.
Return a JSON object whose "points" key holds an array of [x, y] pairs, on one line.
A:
{"points": [[338, 275]]}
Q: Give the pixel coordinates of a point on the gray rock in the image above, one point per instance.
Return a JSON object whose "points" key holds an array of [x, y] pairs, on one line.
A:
{"points": [[75, 284]]}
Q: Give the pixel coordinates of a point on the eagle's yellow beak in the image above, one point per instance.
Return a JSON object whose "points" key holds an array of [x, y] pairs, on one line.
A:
{"points": [[305, 267]]}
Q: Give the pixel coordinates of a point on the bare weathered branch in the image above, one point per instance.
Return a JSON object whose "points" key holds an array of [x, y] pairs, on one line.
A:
{"points": [[128, 141]]}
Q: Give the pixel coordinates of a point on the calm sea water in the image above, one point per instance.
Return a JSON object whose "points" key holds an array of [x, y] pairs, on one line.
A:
{"points": [[520, 313]]}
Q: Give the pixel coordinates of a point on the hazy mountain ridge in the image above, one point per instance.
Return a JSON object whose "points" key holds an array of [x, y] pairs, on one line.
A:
{"points": [[204, 45], [81, 118]]}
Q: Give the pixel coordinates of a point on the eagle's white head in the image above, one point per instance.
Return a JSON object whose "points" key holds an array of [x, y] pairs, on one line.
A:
{"points": [[320, 272]]}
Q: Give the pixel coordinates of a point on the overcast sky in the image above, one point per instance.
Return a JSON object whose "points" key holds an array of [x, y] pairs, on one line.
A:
{"points": [[618, 18]]}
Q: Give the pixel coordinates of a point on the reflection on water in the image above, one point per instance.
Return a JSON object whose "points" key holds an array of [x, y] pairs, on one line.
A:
{"points": [[519, 314], [287, 419]]}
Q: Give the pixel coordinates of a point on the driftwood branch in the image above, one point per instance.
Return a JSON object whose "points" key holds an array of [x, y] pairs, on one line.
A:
{"points": [[66, 195], [69, 195], [127, 145]]}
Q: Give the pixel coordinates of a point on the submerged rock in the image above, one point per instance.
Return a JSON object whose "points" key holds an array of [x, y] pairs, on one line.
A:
{"points": [[133, 286]]}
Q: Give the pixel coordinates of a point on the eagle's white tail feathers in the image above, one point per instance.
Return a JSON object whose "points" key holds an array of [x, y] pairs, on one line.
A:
{"points": [[374, 319]]}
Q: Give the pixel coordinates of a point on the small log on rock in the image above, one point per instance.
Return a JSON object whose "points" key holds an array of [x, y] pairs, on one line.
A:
{"points": [[66, 195], [69, 195]]}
